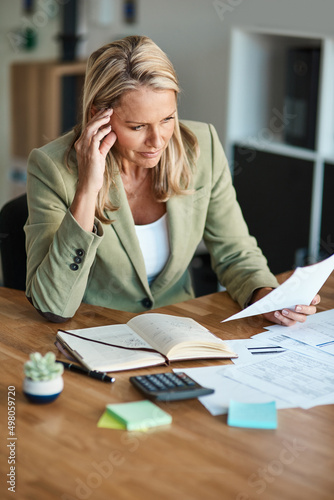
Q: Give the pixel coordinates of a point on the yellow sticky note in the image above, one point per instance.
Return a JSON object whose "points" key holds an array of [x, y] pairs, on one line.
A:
{"points": [[139, 415], [109, 422]]}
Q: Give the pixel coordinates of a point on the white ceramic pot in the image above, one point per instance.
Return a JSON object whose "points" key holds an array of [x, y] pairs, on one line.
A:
{"points": [[42, 391]]}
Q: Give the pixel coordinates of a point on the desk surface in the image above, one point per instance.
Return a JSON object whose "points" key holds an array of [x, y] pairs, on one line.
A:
{"points": [[61, 454]]}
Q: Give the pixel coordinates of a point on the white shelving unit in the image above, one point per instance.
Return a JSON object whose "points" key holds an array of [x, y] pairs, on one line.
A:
{"points": [[256, 104]]}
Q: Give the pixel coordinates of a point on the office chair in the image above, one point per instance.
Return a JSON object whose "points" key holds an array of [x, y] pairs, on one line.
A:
{"points": [[13, 216]]}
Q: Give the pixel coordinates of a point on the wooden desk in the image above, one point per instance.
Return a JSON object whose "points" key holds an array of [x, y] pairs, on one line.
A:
{"points": [[61, 454]]}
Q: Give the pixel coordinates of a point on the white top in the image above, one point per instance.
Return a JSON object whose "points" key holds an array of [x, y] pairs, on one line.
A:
{"points": [[154, 244]]}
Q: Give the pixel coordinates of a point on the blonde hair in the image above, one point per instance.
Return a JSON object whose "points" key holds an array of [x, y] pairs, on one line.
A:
{"points": [[119, 67]]}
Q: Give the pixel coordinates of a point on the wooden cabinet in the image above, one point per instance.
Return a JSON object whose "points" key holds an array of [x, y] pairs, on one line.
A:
{"points": [[45, 102]]}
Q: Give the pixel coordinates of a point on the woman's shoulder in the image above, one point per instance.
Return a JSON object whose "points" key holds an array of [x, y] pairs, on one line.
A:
{"points": [[205, 133], [48, 163], [200, 129], [56, 149]]}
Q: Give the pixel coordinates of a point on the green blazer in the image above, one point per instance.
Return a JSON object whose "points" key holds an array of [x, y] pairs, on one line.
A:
{"points": [[67, 265]]}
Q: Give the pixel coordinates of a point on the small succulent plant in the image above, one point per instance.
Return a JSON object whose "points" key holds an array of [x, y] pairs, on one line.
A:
{"points": [[42, 367]]}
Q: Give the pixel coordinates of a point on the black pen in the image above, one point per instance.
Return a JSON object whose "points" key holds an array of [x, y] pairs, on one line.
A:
{"points": [[90, 373]]}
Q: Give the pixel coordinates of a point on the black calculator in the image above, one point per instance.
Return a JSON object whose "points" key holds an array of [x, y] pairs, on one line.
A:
{"points": [[169, 386]]}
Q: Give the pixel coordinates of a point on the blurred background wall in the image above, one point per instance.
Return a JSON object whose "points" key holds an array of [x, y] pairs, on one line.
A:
{"points": [[194, 33]]}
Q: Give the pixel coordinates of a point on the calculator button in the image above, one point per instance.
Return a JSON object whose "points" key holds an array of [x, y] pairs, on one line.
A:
{"points": [[189, 382], [186, 380], [154, 380], [176, 380], [159, 384], [165, 380], [149, 386], [160, 376], [169, 386]]}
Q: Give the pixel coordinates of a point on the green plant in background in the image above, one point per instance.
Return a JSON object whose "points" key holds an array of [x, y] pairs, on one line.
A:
{"points": [[42, 367]]}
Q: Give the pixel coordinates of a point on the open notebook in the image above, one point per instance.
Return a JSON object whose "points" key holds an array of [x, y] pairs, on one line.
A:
{"points": [[146, 340]]}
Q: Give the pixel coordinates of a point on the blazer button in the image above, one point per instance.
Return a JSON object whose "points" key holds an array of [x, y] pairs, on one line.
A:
{"points": [[77, 260], [74, 267], [147, 303], [80, 252]]}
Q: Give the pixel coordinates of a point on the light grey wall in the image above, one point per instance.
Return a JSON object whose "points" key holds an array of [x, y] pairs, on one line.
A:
{"points": [[194, 33]]}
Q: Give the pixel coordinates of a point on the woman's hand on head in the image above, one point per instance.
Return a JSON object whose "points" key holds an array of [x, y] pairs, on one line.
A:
{"points": [[287, 317], [92, 148]]}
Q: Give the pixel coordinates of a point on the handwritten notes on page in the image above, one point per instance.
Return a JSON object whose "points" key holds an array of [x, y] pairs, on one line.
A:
{"points": [[300, 288]]}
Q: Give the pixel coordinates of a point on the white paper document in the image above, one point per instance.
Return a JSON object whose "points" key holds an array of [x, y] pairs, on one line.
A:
{"points": [[227, 389], [290, 366], [250, 350], [294, 377], [317, 331], [300, 288], [286, 365], [291, 344]]}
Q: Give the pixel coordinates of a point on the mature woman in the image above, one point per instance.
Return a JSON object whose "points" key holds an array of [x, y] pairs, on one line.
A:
{"points": [[118, 206]]}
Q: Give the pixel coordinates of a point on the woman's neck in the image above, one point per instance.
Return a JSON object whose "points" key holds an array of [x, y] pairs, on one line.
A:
{"points": [[136, 181]]}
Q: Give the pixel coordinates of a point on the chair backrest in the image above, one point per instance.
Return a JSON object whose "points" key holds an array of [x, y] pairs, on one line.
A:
{"points": [[13, 216]]}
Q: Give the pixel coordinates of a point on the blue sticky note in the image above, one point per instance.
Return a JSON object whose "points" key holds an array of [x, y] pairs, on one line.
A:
{"points": [[252, 415]]}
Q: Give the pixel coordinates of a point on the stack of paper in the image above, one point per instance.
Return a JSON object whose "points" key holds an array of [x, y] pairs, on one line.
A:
{"points": [[292, 366]]}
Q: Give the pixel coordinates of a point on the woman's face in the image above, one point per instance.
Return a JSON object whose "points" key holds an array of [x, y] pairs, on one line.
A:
{"points": [[144, 123]]}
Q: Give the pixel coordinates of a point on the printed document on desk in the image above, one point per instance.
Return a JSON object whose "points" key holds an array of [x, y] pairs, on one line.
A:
{"points": [[300, 288], [288, 343], [302, 380], [253, 349], [287, 371], [227, 389], [317, 331]]}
